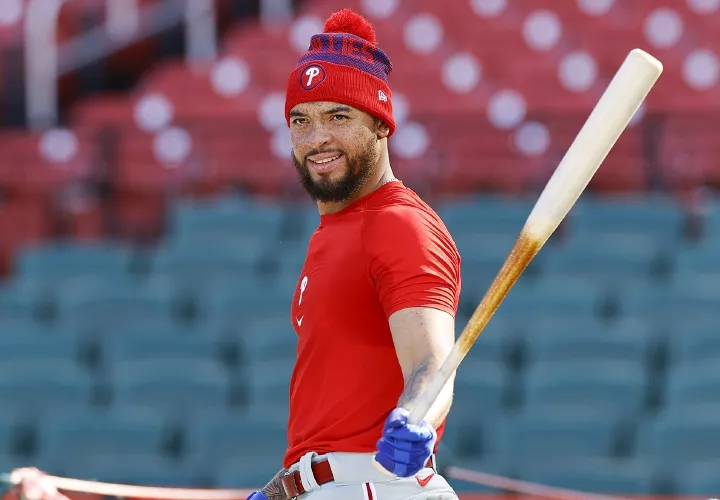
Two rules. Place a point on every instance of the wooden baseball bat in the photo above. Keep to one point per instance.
(611, 115)
(608, 119)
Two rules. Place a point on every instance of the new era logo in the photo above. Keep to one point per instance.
(382, 96)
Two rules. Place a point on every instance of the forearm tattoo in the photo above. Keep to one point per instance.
(274, 489)
(415, 385)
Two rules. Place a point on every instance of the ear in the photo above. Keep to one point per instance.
(383, 130)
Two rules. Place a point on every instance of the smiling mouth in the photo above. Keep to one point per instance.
(325, 165)
(327, 160)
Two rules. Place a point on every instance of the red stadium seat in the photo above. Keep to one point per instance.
(689, 151)
(23, 220)
(621, 174)
(43, 163)
(100, 111)
(192, 94)
(140, 171)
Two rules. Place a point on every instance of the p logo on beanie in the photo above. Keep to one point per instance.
(344, 65)
(312, 76)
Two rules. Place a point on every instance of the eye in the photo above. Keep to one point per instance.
(339, 117)
(298, 121)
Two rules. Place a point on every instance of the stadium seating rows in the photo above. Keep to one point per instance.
(172, 355)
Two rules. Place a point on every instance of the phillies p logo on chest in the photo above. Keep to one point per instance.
(312, 76)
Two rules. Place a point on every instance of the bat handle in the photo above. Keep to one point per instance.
(428, 397)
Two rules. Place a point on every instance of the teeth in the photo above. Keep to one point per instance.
(326, 161)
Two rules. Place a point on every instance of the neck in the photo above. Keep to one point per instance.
(383, 174)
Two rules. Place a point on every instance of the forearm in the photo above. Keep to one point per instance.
(415, 384)
(274, 489)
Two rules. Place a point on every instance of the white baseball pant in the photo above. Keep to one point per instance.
(356, 478)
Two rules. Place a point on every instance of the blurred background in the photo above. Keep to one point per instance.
(152, 231)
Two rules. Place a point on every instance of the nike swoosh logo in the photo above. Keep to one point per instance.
(425, 481)
(300, 320)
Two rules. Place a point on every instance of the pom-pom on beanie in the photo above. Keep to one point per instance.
(344, 65)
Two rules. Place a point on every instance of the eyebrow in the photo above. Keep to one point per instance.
(332, 111)
(338, 109)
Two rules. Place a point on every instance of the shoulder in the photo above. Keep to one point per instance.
(407, 225)
(401, 207)
(410, 255)
(404, 218)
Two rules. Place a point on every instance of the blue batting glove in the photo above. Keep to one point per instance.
(404, 448)
(257, 495)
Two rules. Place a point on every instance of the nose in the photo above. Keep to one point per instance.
(318, 137)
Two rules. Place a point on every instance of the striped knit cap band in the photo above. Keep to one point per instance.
(344, 65)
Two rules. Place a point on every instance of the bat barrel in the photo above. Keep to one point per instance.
(608, 119)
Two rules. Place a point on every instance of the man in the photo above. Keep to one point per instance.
(375, 303)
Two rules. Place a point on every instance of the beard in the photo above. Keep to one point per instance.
(359, 169)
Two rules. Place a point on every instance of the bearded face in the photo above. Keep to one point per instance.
(335, 149)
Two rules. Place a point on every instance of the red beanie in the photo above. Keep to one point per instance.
(344, 65)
